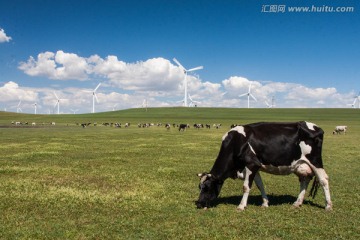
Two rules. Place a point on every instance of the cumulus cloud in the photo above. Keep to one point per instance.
(11, 91)
(57, 66)
(285, 94)
(3, 36)
(154, 74)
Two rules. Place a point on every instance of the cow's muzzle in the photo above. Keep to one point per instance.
(201, 204)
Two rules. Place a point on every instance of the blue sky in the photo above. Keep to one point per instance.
(301, 59)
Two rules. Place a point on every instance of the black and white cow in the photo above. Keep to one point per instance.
(183, 127)
(275, 148)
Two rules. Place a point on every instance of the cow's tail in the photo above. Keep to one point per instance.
(314, 188)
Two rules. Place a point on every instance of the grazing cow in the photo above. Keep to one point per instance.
(182, 127)
(217, 125)
(340, 129)
(275, 148)
(167, 126)
(84, 125)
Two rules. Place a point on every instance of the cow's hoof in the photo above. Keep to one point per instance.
(328, 208)
(296, 205)
(240, 209)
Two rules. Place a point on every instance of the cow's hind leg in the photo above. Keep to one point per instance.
(260, 186)
(304, 183)
(324, 182)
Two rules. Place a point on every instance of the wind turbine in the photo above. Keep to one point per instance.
(272, 105)
(74, 111)
(248, 94)
(185, 78)
(94, 97)
(192, 102)
(35, 107)
(356, 99)
(57, 103)
(145, 104)
(18, 109)
(114, 107)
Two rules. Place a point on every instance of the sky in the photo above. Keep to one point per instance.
(293, 54)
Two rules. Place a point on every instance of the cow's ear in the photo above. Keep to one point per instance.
(200, 174)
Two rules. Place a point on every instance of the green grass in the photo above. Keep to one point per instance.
(66, 182)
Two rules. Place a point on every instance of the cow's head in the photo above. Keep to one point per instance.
(209, 189)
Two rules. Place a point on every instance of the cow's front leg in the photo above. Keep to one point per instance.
(249, 177)
(260, 186)
(304, 182)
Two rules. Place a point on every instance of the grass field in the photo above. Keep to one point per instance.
(66, 182)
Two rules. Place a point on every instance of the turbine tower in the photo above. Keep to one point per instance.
(95, 97)
(185, 78)
(248, 94)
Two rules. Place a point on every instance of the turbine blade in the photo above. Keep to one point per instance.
(194, 69)
(250, 86)
(253, 97)
(97, 100)
(97, 87)
(178, 63)
(242, 95)
(56, 96)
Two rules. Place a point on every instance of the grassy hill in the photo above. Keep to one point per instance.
(190, 115)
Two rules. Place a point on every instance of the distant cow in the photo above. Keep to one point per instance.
(182, 127)
(84, 125)
(217, 125)
(275, 148)
(339, 129)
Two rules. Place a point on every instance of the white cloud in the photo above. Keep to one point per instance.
(11, 92)
(4, 37)
(57, 66)
(161, 82)
(156, 74)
